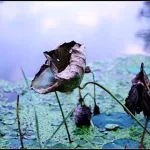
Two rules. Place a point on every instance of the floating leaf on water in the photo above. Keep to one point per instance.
(72, 145)
(9, 122)
(97, 141)
(32, 144)
(120, 144)
(80, 142)
(86, 146)
(4, 143)
(111, 126)
(60, 145)
(30, 137)
(122, 119)
(109, 136)
(51, 143)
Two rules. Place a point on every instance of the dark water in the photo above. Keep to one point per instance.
(27, 29)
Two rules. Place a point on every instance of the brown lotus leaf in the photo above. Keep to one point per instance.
(139, 95)
(63, 70)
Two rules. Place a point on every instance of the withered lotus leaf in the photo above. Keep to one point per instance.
(139, 95)
(63, 70)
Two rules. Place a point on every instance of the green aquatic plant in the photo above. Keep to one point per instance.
(96, 109)
(139, 97)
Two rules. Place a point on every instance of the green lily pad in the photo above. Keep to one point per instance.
(122, 119)
(51, 143)
(111, 126)
(80, 142)
(60, 145)
(120, 144)
(97, 141)
(86, 146)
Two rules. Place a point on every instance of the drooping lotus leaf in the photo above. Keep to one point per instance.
(123, 120)
(121, 143)
(63, 70)
(139, 95)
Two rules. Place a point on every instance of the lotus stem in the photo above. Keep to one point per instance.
(59, 127)
(87, 95)
(80, 96)
(63, 117)
(94, 88)
(116, 100)
(19, 128)
(96, 108)
(142, 139)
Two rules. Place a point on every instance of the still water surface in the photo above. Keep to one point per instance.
(27, 29)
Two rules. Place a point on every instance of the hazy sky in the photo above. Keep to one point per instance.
(27, 29)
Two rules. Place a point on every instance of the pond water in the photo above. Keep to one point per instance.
(27, 29)
(115, 75)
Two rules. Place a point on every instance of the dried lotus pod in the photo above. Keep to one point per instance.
(87, 69)
(63, 70)
(82, 115)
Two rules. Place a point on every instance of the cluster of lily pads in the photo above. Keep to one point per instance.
(109, 123)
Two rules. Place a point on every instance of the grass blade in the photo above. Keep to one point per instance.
(25, 78)
(18, 119)
(37, 127)
(35, 113)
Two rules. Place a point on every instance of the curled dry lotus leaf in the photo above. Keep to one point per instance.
(63, 70)
(139, 95)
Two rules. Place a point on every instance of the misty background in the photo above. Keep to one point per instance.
(27, 29)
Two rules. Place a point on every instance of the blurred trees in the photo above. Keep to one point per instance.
(145, 34)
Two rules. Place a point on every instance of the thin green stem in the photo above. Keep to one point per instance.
(80, 96)
(63, 117)
(59, 127)
(37, 127)
(18, 118)
(35, 113)
(94, 88)
(116, 100)
(87, 95)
